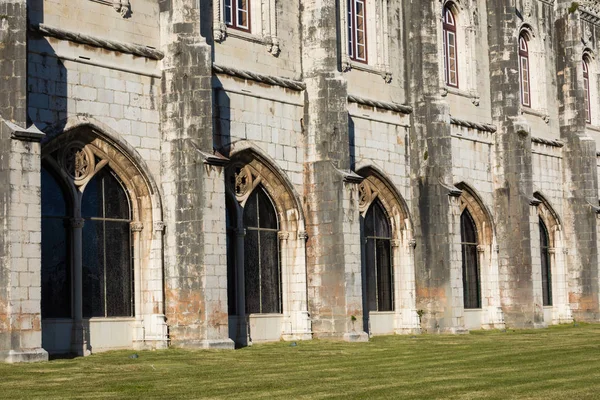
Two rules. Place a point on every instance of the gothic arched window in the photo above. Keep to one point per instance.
(262, 274)
(525, 83)
(56, 260)
(470, 261)
(545, 256)
(86, 234)
(378, 258)
(450, 51)
(586, 89)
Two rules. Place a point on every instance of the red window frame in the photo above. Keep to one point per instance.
(357, 32)
(236, 10)
(586, 89)
(524, 71)
(450, 50)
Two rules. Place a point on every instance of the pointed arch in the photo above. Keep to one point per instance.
(82, 152)
(376, 185)
(249, 166)
(549, 216)
(108, 143)
(479, 213)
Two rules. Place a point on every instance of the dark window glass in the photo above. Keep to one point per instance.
(107, 264)
(231, 273)
(378, 259)
(546, 272)
(56, 269)
(470, 261)
(261, 255)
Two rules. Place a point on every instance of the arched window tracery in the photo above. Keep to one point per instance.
(87, 244)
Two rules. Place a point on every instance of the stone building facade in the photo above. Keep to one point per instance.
(212, 173)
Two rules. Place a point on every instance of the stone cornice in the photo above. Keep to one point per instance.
(95, 41)
(473, 125)
(253, 76)
(547, 142)
(380, 104)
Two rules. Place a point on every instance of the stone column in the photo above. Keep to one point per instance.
(138, 327)
(513, 188)
(194, 193)
(580, 196)
(20, 215)
(431, 170)
(79, 344)
(332, 217)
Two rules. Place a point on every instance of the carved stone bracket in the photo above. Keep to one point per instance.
(243, 182)
(283, 236)
(123, 7)
(159, 226)
(136, 226)
(412, 243)
(302, 235)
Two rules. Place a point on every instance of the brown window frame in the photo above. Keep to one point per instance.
(234, 7)
(524, 57)
(353, 31)
(449, 39)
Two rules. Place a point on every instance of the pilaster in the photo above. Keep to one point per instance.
(333, 247)
(431, 170)
(20, 218)
(513, 188)
(579, 169)
(195, 255)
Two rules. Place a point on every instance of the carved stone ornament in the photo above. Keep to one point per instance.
(527, 5)
(243, 183)
(123, 7)
(78, 161)
(136, 226)
(366, 195)
(587, 35)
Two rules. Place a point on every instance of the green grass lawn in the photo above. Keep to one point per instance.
(556, 363)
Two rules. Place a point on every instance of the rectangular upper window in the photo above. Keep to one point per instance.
(357, 30)
(450, 59)
(237, 14)
(586, 90)
(524, 72)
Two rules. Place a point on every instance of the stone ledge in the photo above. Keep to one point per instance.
(19, 356)
(31, 134)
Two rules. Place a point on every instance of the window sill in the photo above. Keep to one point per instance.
(272, 43)
(471, 94)
(110, 319)
(536, 113)
(591, 127)
(386, 75)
